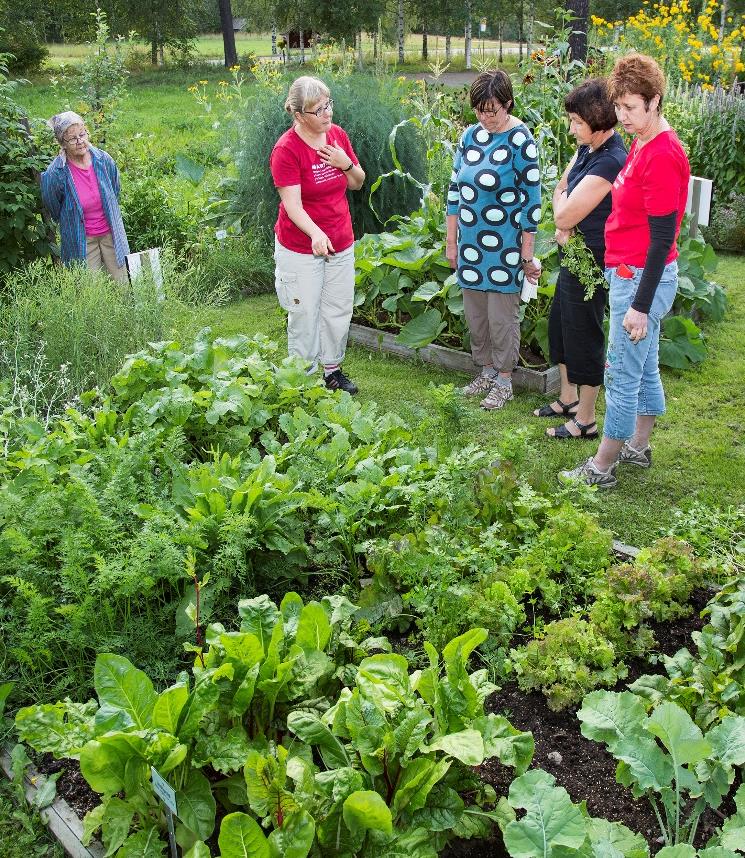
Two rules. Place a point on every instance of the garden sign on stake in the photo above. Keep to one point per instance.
(167, 794)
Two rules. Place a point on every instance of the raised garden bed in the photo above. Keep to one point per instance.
(540, 381)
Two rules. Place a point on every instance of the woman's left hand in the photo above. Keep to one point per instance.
(562, 236)
(333, 155)
(635, 324)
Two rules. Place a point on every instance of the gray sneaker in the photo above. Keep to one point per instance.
(496, 397)
(631, 456)
(588, 473)
(480, 385)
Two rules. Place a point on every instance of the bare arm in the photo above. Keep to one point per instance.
(451, 240)
(570, 209)
(291, 200)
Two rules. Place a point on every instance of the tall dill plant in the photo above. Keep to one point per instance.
(367, 108)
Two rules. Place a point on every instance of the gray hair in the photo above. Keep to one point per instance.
(305, 91)
(62, 121)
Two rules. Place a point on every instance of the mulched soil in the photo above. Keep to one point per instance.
(581, 766)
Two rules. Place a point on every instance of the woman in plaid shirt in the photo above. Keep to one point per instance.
(80, 189)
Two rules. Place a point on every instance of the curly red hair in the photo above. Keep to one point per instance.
(637, 74)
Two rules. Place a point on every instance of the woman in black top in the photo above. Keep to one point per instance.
(582, 201)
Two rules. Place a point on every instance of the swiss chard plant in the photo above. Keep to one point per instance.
(664, 757)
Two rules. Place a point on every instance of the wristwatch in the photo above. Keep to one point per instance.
(347, 169)
(525, 261)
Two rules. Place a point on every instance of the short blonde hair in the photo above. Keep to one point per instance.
(305, 91)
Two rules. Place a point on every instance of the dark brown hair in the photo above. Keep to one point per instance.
(637, 74)
(492, 86)
(590, 101)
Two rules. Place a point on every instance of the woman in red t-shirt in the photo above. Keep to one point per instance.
(313, 165)
(649, 200)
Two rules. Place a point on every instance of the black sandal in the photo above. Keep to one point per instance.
(562, 433)
(548, 411)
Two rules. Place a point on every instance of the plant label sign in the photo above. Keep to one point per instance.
(165, 792)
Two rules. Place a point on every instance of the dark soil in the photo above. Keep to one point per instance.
(581, 766)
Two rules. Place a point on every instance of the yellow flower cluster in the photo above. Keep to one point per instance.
(687, 42)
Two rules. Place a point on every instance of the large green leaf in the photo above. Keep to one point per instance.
(364, 810)
(202, 699)
(511, 746)
(60, 728)
(612, 838)
(189, 169)
(681, 343)
(168, 706)
(674, 727)
(126, 694)
(290, 607)
(116, 824)
(427, 291)
(243, 648)
(442, 811)
(416, 782)
(422, 329)
(242, 837)
(314, 628)
(196, 805)
(103, 761)
(728, 740)
(551, 821)
(198, 850)
(295, 838)
(733, 830)
(309, 727)
(259, 616)
(648, 765)
(680, 850)
(465, 745)
(143, 844)
(384, 679)
(609, 716)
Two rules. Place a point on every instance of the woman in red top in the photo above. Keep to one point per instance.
(649, 200)
(313, 165)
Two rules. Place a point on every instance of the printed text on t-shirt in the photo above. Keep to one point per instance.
(324, 172)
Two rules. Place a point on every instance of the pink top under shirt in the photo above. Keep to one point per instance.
(89, 194)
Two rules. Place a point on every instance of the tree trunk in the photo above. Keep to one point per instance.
(154, 51)
(360, 64)
(302, 44)
(520, 30)
(580, 10)
(722, 21)
(531, 23)
(287, 47)
(501, 54)
(274, 38)
(400, 30)
(468, 35)
(228, 34)
(425, 54)
(448, 47)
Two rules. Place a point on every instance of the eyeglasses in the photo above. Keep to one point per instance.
(329, 106)
(77, 139)
(490, 113)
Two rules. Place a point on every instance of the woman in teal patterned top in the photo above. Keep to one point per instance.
(493, 211)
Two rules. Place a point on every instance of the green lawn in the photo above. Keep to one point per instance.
(209, 46)
(698, 452)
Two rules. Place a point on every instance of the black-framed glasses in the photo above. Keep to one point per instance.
(79, 138)
(328, 106)
(490, 113)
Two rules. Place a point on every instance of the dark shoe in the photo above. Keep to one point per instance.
(338, 381)
(631, 456)
(562, 433)
(548, 411)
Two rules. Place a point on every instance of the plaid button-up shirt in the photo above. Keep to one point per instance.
(61, 200)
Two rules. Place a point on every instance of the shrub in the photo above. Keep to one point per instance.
(20, 43)
(239, 266)
(23, 234)
(726, 229)
(64, 330)
(154, 216)
(367, 109)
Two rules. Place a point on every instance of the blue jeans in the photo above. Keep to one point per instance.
(632, 370)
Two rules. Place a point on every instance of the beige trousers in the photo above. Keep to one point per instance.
(100, 253)
(494, 324)
(318, 295)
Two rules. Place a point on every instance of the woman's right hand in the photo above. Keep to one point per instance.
(451, 253)
(562, 236)
(321, 244)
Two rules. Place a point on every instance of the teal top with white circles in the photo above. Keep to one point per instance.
(495, 191)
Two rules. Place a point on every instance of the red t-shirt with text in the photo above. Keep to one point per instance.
(323, 190)
(653, 181)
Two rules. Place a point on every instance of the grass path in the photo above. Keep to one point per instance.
(699, 446)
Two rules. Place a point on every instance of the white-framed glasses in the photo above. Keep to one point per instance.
(325, 107)
(78, 138)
